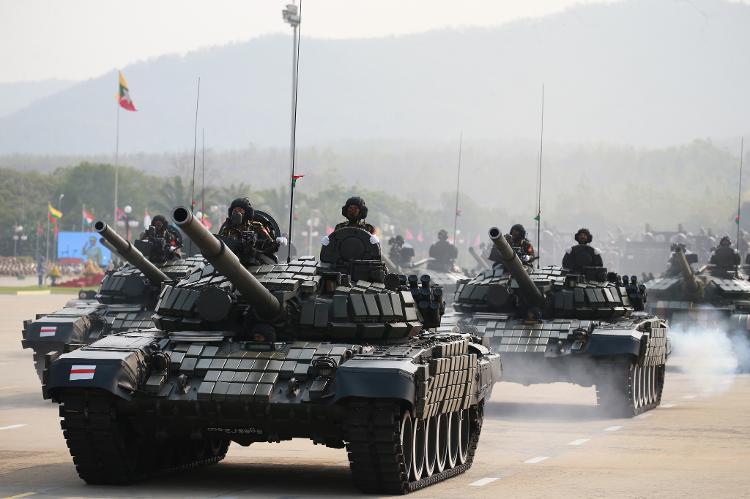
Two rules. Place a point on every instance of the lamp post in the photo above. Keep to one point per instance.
(18, 235)
(291, 15)
(128, 210)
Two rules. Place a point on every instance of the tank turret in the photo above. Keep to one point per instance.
(130, 253)
(531, 294)
(692, 285)
(226, 262)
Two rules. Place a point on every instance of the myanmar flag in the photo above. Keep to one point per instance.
(53, 213)
(124, 96)
(87, 216)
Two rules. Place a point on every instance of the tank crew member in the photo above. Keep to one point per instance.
(355, 212)
(400, 252)
(165, 236)
(673, 268)
(725, 255)
(247, 238)
(443, 252)
(517, 240)
(582, 254)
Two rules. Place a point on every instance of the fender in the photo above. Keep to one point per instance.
(394, 379)
(613, 342)
(63, 327)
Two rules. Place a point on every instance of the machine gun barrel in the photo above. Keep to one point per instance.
(692, 285)
(130, 253)
(226, 262)
(482, 263)
(512, 263)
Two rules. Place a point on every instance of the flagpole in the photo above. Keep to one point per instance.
(203, 172)
(539, 191)
(48, 215)
(458, 185)
(117, 165)
(739, 191)
(296, 22)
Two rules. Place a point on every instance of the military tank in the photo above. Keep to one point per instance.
(715, 295)
(125, 300)
(551, 325)
(264, 353)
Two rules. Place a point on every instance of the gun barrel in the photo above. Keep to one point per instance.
(479, 259)
(226, 262)
(130, 253)
(512, 263)
(691, 283)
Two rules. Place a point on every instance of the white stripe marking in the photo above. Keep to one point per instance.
(483, 482)
(580, 441)
(537, 459)
(688, 397)
(667, 406)
(12, 427)
(613, 428)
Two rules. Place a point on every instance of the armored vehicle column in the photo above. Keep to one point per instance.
(227, 263)
(130, 253)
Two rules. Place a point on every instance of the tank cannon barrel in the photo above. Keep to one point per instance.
(691, 283)
(226, 262)
(481, 261)
(512, 263)
(130, 253)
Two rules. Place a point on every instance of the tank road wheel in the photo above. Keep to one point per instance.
(463, 436)
(419, 443)
(107, 449)
(391, 452)
(407, 440)
(658, 383)
(431, 445)
(627, 389)
(443, 427)
(452, 438)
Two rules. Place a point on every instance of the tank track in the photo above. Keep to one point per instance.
(376, 456)
(107, 450)
(629, 389)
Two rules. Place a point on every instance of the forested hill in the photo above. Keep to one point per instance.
(642, 72)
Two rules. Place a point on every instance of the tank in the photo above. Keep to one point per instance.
(714, 296)
(125, 300)
(265, 353)
(552, 325)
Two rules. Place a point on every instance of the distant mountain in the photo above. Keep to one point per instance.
(15, 96)
(642, 72)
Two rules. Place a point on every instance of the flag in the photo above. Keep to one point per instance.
(737, 219)
(39, 229)
(53, 213)
(146, 219)
(538, 217)
(120, 214)
(87, 216)
(408, 235)
(295, 178)
(420, 237)
(124, 95)
(329, 230)
(206, 222)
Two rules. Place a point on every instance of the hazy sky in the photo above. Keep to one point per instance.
(78, 39)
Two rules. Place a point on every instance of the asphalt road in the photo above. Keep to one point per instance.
(539, 441)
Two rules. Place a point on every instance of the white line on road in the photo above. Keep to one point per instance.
(12, 387)
(12, 427)
(483, 482)
(667, 406)
(580, 441)
(613, 428)
(688, 397)
(19, 496)
(537, 459)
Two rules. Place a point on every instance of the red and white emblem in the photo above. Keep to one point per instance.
(82, 372)
(47, 331)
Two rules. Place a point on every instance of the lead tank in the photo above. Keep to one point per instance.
(125, 300)
(267, 353)
(551, 325)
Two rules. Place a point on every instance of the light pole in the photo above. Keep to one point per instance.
(128, 210)
(291, 15)
(18, 235)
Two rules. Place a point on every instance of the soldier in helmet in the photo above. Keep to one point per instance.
(443, 253)
(355, 212)
(248, 239)
(165, 238)
(725, 256)
(582, 254)
(400, 252)
(517, 240)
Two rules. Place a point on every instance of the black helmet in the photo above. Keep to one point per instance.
(583, 230)
(357, 201)
(725, 238)
(442, 234)
(159, 218)
(519, 228)
(242, 203)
